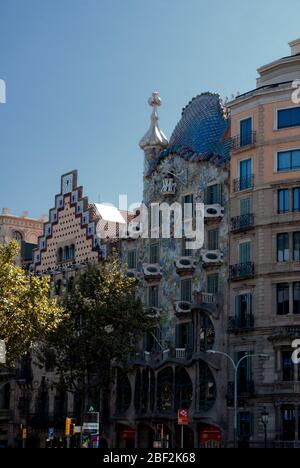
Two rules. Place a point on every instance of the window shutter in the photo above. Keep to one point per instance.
(245, 206)
(245, 252)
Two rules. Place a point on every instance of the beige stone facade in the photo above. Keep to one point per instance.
(265, 267)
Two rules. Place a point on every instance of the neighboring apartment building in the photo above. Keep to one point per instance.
(22, 228)
(73, 238)
(265, 252)
(184, 290)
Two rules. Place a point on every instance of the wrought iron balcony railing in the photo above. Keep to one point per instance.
(243, 183)
(243, 141)
(242, 222)
(241, 322)
(241, 271)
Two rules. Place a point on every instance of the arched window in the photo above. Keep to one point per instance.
(207, 333)
(17, 236)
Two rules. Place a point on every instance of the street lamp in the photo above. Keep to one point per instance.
(265, 421)
(236, 368)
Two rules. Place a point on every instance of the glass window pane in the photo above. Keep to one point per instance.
(154, 253)
(131, 261)
(296, 298)
(296, 246)
(283, 299)
(289, 117)
(186, 290)
(213, 239)
(283, 201)
(284, 161)
(212, 283)
(296, 199)
(287, 366)
(296, 159)
(245, 132)
(282, 247)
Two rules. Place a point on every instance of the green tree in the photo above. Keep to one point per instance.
(104, 324)
(26, 312)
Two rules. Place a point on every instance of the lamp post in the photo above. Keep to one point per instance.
(236, 367)
(265, 421)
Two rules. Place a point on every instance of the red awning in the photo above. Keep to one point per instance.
(209, 433)
(127, 434)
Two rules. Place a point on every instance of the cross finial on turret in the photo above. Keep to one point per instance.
(154, 136)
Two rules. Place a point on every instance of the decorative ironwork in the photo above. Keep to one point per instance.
(242, 223)
(241, 271)
(241, 322)
(239, 142)
(243, 183)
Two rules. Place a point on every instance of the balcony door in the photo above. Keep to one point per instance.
(245, 252)
(245, 132)
(245, 174)
(244, 372)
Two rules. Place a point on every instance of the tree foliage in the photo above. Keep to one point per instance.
(26, 312)
(104, 323)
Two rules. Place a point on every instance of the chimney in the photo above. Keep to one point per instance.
(5, 211)
(25, 214)
(295, 47)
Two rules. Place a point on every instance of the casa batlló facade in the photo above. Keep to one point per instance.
(184, 290)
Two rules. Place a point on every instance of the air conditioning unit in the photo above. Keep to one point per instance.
(185, 264)
(213, 211)
(152, 270)
(153, 312)
(212, 256)
(182, 307)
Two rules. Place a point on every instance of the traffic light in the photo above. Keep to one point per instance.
(68, 426)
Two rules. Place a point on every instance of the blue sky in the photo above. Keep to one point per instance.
(79, 73)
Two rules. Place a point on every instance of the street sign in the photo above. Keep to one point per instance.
(183, 417)
(91, 422)
(90, 427)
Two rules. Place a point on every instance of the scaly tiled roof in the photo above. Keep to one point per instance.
(203, 132)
